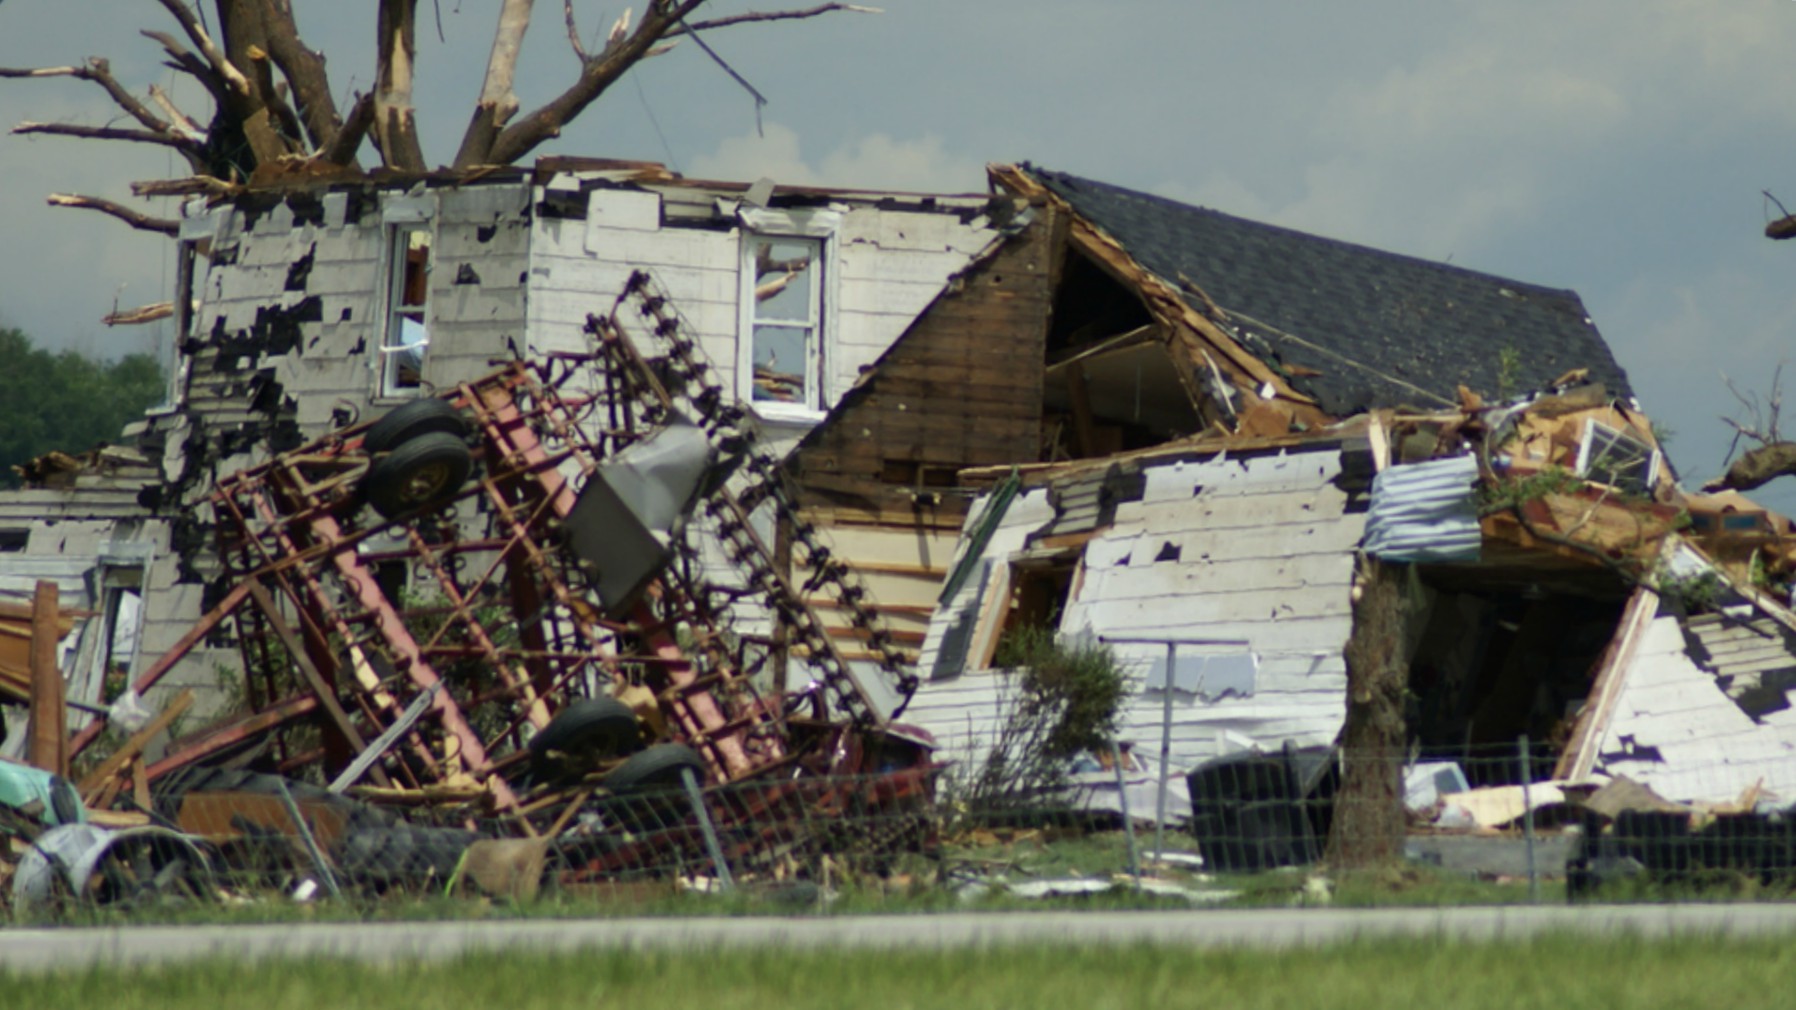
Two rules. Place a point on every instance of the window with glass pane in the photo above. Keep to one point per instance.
(787, 316)
(406, 339)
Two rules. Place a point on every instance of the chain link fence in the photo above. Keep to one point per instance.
(1492, 811)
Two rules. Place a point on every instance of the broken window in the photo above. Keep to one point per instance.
(14, 540)
(784, 321)
(405, 339)
(1035, 599)
(1617, 458)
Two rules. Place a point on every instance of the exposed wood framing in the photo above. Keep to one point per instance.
(1610, 678)
(962, 386)
(1185, 324)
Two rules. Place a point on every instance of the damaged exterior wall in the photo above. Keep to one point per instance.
(294, 295)
(1675, 730)
(959, 389)
(1257, 550)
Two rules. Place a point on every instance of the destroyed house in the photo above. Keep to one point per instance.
(1167, 423)
(1117, 322)
(303, 306)
(1061, 404)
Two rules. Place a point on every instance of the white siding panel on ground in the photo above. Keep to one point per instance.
(1261, 553)
(1676, 731)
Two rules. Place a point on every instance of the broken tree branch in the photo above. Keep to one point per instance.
(180, 59)
(1756, 467)
(136, 219)
(193, 185)
(498, 103)
(573, 30)
(215, 58)
(1763, 428)
(176, 141)
(596, 75)
(1784, 227)
(757, 16)
(178, 120)
(99, 71)
(343, 146)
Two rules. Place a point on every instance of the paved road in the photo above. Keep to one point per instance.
(55, 948)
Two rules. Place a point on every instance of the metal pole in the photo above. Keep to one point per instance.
(1172, 650)
(374, 750)
(1122, 796)
(1528, 821)
(311, 844)
(712, 846)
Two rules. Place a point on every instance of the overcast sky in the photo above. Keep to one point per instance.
(1615, 147)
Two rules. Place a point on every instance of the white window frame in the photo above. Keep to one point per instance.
(400, 222)
(818, 228)
(1611, 436)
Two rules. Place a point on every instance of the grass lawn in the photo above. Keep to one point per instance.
(1564, 973)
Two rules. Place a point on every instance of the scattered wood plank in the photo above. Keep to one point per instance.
(131, 751)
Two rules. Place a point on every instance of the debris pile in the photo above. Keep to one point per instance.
(494, 616)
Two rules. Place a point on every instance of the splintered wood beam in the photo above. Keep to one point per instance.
(132, 750)
(48, 736)
(148, 679)
(229, 735)
(140, 315)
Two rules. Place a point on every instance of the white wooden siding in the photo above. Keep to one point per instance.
(1265, 557)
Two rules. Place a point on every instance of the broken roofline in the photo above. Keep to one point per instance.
(1539, 489)
(1308, 320)
(617, 170)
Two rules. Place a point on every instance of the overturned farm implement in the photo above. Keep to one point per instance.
(543, 605)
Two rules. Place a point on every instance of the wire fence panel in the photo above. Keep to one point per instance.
(1492, 812)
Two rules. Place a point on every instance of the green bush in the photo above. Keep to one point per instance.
(1063, 699)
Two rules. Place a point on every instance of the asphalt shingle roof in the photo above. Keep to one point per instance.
(1403, 323)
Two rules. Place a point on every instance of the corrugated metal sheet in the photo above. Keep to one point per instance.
(1425, 512)
(1256, 550)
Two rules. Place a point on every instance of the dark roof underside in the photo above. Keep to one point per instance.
(1379, 327)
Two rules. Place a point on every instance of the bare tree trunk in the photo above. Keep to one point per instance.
(498, 103)
(395, 122)
(1368, 821)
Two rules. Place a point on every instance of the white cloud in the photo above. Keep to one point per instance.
(874, 161)
(1475, 136)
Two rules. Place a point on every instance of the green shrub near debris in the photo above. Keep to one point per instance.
(1563, 972)
(1063, 700)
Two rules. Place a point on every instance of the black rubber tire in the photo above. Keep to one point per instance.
(404, 423)
(589, 728)
(426, 469)
(655, 768)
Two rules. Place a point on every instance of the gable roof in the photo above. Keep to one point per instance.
(1381, 328)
